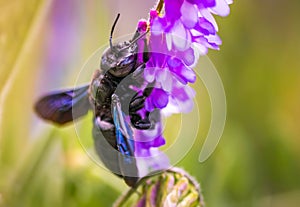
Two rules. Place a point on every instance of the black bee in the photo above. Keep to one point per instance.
(112, 134)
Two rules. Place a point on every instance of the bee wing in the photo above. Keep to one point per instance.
(105, 150)
(64, 106)
(125, 144)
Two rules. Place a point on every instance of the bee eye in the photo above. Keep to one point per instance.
(126, 61)
(124, 67)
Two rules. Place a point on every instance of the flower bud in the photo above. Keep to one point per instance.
(170, 188)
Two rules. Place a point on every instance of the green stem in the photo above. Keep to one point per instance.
(123, 199)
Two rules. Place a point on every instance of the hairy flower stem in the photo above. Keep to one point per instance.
(159, 6)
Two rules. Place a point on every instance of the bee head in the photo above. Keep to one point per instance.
(119, 59)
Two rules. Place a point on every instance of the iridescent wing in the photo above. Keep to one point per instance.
(64, 106)
(125, 143)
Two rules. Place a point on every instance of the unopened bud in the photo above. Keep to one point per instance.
(169, 188)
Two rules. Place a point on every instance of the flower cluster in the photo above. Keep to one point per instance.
(178, 36)
(186, 30)
(172, 187)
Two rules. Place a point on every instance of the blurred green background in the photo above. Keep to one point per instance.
(43, 45)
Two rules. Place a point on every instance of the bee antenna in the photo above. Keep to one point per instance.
(135, 40)
(138, 38)
(112, 31)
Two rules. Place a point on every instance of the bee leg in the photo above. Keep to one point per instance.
(137, 103)
(140, 123)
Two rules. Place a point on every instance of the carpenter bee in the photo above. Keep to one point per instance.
(112, 133)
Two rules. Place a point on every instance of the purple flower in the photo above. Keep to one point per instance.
(178, 35)
(147, 142)
(186, 29)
